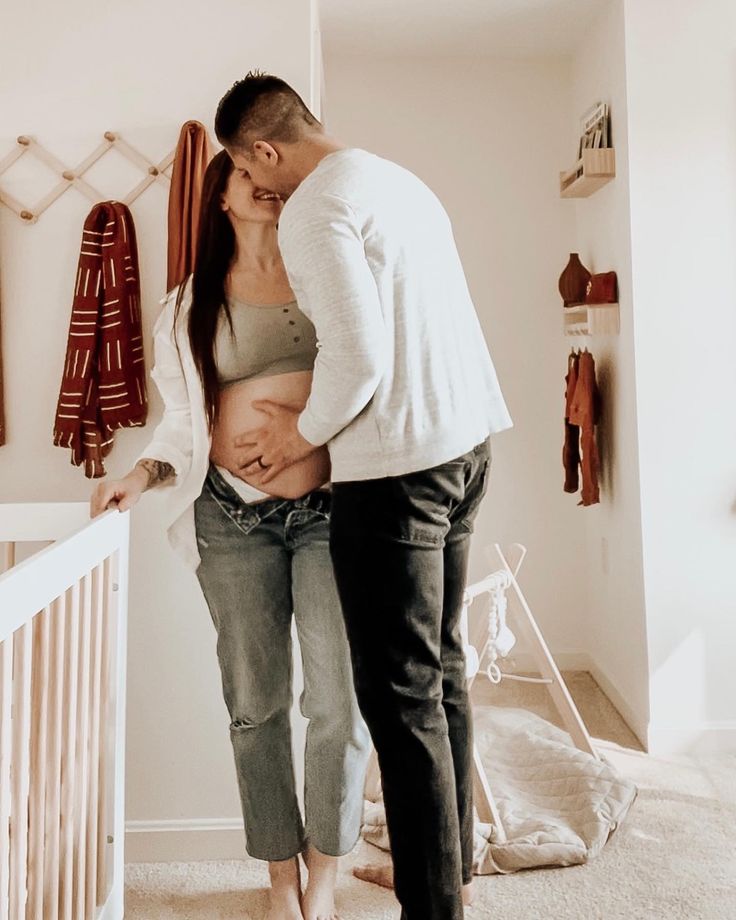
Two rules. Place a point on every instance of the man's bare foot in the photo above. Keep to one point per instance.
(319, 897)
(286, 891)
(378, 875)
(384, 876)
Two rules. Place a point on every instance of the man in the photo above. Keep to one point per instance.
(405, 395)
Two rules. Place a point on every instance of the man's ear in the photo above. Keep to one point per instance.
(264, 152)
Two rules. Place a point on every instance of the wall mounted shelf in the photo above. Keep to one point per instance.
(594, 169)
(592, 319)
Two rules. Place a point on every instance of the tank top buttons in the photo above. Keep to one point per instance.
(274, 346)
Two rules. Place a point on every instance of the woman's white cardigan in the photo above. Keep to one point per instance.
(182, 436)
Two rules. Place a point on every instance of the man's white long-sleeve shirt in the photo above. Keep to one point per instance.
(403, 379)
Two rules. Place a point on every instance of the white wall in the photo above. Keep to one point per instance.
(141, 69)
(489, 137)
(643, 583)
(681, 71)
(612, 530)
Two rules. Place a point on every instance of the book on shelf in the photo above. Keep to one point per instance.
(594, 128)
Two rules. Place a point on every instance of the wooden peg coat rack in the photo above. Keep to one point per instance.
(154, 172)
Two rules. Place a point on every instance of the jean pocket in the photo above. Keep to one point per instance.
(422, 503)
(214, 502)
(306, 525)
(485, 477)
(477, 486)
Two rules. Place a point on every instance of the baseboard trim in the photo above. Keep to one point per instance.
(195, 839)
(185, 840)
(583, 661)
(706, 738)
(637, 725)
(715, 737)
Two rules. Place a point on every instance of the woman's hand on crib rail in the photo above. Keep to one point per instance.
(124, 493)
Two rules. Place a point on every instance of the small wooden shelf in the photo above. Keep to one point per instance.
(592, 319)
(594, 169)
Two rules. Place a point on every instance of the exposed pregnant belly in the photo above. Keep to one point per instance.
(236, 416)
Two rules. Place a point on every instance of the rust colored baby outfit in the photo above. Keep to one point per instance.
(582, 411)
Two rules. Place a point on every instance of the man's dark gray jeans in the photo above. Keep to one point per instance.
(400, 549)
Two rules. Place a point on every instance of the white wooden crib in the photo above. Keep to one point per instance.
(63, 619)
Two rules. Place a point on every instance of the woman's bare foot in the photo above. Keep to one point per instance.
(286, 890)
(384, 876)
(319, 897)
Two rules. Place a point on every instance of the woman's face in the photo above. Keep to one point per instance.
(243, 201)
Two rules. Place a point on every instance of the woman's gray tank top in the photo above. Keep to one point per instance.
(264, 342)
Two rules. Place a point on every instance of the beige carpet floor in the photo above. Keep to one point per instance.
(674, 857)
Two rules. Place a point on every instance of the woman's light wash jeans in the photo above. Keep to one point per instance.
(260, 564)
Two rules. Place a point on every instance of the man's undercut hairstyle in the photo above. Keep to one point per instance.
(261, 107)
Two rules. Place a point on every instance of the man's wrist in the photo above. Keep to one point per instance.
(305, 447)
(306, 432)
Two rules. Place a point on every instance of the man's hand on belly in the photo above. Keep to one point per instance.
(273, 447)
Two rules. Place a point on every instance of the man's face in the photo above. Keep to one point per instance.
(262, 172)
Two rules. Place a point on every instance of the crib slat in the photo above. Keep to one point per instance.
(37, 788)
(98, 587)
(68, 773)
(53, 767)
(80, 817)
(6, 752)
(7, 557)
(106, 728)
(22, 648)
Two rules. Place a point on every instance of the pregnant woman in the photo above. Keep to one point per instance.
(229, 340)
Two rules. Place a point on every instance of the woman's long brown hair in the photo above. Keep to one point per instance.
(214, 254)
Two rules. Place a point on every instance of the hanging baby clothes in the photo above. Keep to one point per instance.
(582, 411)
(571, 446)
(193, 153)
(104, 383)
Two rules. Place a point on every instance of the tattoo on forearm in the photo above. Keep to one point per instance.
(157, 470)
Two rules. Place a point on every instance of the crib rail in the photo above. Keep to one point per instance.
(63, 624)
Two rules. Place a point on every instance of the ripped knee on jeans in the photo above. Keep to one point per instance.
(245, 723)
